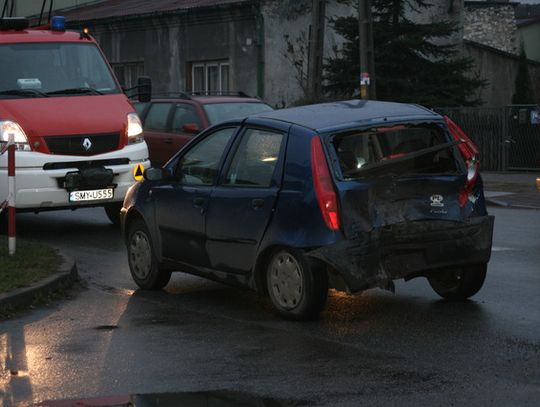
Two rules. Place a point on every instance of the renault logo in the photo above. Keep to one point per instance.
(87, 144)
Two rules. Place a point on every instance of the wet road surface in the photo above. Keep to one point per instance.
(408, 348)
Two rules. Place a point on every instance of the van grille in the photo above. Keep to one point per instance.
(85, 145)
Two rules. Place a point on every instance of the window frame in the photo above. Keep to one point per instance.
(176, 161)
(278, 168)
(205, 65)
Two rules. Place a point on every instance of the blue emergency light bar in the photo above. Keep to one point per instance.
(58, 23)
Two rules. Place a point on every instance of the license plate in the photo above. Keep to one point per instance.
(91, 195)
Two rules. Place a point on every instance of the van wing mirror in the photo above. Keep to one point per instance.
(144, 89)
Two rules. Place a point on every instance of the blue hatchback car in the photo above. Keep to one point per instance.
(348, 195)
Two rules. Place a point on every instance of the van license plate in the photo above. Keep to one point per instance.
(91, 195)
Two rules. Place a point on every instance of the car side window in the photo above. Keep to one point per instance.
(184, 114)
(156, 118)
(255, 160)
(200, 165)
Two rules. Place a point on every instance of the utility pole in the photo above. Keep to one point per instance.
(365, 39)
(316, 48)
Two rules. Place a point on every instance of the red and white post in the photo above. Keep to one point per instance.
(11, 195)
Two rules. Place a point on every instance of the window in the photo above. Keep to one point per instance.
(53, 67)
(364, 150)
(199, 166)
(255, 160)
(184, 114)
(210, 77)
(128, 72)
(157, 116)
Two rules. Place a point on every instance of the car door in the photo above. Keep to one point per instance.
(242, 204)
(186, 124)
(181, 204)
(156, 132)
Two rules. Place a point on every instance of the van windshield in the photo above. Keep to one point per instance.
(53, 69)
(400, 148)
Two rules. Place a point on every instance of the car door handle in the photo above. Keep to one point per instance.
(198, 201)
(257, 203)
(167, 141)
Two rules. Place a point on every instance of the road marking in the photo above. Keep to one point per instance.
(502, 249)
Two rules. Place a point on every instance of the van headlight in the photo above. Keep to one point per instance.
(8, 129)
(134, 129)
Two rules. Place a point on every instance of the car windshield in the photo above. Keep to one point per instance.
(218, 112)
(53, 69)
(408, 148)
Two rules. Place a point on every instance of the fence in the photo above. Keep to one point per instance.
(507, 137)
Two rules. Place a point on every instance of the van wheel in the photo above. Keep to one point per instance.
(143, 264)
(297, 285)
(459, 283)
(113, 212)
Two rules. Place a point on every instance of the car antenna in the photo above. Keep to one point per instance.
(43, 9)
(8, 8)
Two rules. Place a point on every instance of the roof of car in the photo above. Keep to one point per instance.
(34, 35)
(330, 116)
(208, 99)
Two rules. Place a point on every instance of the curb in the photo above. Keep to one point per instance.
(497, 202)
(25, 296)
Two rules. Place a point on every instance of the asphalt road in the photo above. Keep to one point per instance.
(408, 348)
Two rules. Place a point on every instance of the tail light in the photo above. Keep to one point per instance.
(469, 151)
(324, 188)
(472, 176)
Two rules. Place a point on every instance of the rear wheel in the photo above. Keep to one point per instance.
(459, 283)
(297, 285)
(143, 264)
(113, 212)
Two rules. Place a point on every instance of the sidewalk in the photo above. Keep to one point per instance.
(512, 189)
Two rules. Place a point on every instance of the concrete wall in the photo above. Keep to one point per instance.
(30, 7)
(168, 45)
(530, 36)
(492, 25)
(500, 69)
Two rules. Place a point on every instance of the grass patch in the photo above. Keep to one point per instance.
(30, 263)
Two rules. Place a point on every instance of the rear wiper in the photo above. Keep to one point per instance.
(74, 91)
(32, 93)
(406, 157)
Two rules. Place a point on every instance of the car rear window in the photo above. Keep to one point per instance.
(218, 112)
(396, 148)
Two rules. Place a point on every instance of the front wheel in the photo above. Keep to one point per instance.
(459, 283)
(297, 285)
(143, 264)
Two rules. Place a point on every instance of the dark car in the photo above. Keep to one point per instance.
(169, 123)
(350, 195)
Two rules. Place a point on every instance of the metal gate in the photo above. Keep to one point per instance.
(508, 137)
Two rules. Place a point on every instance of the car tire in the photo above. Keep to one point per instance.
(297, 285)
(458, 283)
(113, 212)
(143, 263)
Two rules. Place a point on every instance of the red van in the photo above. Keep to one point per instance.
(79, 141)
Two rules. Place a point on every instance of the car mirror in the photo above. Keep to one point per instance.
(192, 128)
(153, 174)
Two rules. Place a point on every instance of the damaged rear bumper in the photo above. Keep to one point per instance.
(407, 250)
